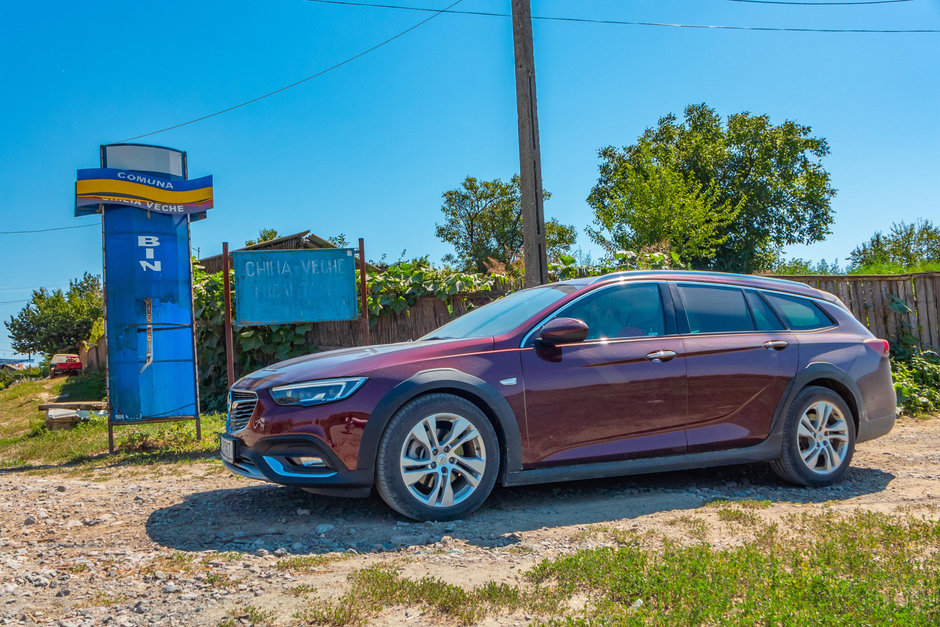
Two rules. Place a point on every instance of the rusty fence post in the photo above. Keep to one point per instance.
(363, 294)
(229, 341)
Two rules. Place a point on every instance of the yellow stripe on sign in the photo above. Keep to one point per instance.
(95, 187)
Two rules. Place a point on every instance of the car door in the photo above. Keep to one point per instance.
(618, 394)
(740, 360)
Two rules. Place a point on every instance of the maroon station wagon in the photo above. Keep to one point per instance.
(633, 372)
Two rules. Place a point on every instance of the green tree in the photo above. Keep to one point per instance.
(483, 221)
(770, 176)
(56, 320)
(648, 204)
(339, 241)
(905, 246)
(264, 235)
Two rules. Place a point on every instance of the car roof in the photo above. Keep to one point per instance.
(726, 278)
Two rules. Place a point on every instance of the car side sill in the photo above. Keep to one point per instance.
(767, 450)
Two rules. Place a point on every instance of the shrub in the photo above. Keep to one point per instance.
(917, 382)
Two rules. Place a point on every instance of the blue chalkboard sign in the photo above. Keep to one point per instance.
(288, 286)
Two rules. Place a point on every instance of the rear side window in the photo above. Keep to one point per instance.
(764, 316)
(713, 309)
(799, 313)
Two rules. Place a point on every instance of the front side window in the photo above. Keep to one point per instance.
(714, 309)
(621, 311)
(799, 313)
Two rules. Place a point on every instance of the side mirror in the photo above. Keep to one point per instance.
(563, 331)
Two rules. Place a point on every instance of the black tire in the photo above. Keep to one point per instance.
(816, 445)
(467, 474)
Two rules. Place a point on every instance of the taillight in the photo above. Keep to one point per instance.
(882, 347)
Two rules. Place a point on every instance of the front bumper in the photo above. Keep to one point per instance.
(273, 458)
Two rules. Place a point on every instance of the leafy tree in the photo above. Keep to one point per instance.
(648, 203)
(483, 221)
(800, 266)
(764, 184)
(55, 321)
(264, 235)
(905, 246)
(339, 241)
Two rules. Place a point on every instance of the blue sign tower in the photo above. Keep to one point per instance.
(146, 204)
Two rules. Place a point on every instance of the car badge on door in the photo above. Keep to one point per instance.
(259, 422)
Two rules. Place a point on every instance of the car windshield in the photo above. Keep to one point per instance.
(503, 315)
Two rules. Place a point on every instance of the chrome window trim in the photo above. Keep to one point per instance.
(622, 282)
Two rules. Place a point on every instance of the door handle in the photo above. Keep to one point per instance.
(661, 356)
(776, 345)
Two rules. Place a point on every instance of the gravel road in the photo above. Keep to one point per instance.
(189, 544)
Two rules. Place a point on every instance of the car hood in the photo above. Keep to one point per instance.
(360, 361)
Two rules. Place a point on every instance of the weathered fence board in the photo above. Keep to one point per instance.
(869, 298)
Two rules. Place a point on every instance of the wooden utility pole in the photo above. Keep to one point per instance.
(530, 161)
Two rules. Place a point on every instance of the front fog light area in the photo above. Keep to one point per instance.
(307, 462)
(316, 392)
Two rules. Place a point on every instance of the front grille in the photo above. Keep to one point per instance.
(240, 407)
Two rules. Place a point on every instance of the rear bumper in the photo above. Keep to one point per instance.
(270, 459)
(874, 428)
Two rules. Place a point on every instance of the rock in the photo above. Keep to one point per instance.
(189, 596)
(170, 588)
(261, 552)
(30, 520)
(60, 488)
(64, 592)
(303, 512)
(160, 575)
(280, 552)
(450, 526)
(324, 528)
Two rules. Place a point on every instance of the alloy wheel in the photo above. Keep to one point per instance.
(823, 437)
(442, 460)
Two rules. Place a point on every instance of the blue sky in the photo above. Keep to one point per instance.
(368, 149)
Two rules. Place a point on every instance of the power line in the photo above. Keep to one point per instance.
(821, 4)
(303, 80)
(448, 9)
(57, 228)
(10, 302)
(584, 20)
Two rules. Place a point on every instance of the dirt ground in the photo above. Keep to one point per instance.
(191, 544)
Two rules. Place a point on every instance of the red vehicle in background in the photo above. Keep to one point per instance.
(63, 364)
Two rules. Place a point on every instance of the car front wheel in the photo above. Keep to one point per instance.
(437, 459)
(819, 438)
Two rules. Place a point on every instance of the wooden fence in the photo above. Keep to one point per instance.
(876, 299)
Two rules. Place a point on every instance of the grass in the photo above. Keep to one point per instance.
(740, 516)
(825, 568)
(26, 443)
(301, 563)
(250, 615)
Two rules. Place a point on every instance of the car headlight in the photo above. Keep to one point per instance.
(316, 392)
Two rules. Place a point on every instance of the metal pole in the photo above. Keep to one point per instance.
(227, 291)
(363, 294)
(530, 164)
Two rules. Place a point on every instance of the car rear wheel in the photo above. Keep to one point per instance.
(437, 459)
(819, 439)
